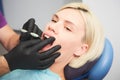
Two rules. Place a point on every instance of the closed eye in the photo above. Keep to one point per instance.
(67, 28)
(54, 21)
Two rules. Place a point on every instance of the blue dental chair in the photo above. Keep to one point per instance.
(100, 68)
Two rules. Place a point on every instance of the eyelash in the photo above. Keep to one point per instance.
(67, 28)
(54, 21)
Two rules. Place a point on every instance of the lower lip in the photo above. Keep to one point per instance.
(46, 47)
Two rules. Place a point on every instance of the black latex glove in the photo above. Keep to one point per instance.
(26, 55)
(30, 27)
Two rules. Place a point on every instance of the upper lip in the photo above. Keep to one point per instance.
(46, 35)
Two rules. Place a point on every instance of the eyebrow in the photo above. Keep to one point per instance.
(56, 16)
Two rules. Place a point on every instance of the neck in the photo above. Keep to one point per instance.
(58, 67)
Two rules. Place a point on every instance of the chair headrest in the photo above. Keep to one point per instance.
(98, 71)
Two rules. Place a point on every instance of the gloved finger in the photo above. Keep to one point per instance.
(49, 52)
(30, 43)
(23, 31)
(37, 30)
(54, 56)
(28, 36)
(29, 25)
(25, 36)
(45, 66)
(49, 61)
(42, 44)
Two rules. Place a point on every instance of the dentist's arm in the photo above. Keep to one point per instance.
(4, 68)
(8, 38)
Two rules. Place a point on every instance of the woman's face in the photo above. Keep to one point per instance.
(67, 26)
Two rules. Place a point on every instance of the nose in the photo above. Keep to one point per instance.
(53, 27)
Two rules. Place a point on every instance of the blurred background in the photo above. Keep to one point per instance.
(17, 12)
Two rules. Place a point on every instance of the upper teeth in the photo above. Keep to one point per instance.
(46, 36)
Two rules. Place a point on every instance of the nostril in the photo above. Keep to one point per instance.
(51, 29)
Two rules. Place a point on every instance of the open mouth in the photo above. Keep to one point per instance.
(48, 46)
(45, 36)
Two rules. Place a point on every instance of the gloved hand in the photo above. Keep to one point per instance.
(26, 55)
(30, 28)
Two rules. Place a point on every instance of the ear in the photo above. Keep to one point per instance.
(81, 50)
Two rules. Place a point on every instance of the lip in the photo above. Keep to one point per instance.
(48, 34)
(49, 45)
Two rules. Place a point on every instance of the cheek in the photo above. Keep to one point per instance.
(68, 45)
(46, 27)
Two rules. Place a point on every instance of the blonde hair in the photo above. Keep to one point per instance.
(94, 35)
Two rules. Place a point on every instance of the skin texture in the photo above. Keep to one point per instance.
(9, 41)
(67, 26)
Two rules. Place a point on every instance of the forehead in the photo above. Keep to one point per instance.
(71, 15)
